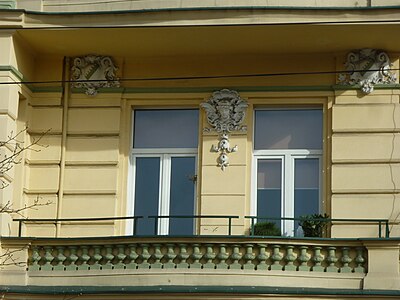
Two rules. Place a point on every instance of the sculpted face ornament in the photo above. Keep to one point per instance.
(367, 67)
(92, 72)
(225, 113)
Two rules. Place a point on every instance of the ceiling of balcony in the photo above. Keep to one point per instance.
(212, 40)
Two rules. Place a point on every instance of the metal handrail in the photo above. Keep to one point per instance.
(55, 221)
(156, 218)
(380, 222)
(328, 220)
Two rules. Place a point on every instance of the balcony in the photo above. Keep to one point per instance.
(201, 263)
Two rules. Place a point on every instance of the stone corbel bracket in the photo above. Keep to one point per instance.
(93, 72)
(367, 67)
(226, 112)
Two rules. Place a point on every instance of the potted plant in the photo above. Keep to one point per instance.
(313, 225)
(266, 229)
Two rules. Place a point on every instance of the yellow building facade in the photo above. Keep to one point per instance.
(163, 131)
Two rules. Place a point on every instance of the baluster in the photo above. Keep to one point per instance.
(132, 257)
(248, 257)
(276, 258)
(262, 257)
(196, 256)
(183, 256)
(71, 258)
(222, 257)
(60, 258)
(144, 256)
(48, 258)
(303, 259)
(170, 255)
(120, 257)
(108, 257)
(359, 261)
(235, 257)
(84, 258)
(346, 260)
(96, 258)
(34, 259)
(157, 255)
(317, 259)
(209, 256)
(290, 258)
(332, 259)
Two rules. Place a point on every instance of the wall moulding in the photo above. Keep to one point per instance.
(92, 72)
(225, 111)
(367, 67)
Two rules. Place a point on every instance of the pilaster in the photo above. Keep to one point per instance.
(383, 272)
(9, 98)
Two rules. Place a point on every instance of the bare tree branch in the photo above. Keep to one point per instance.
(13, 147)
(7, 258)
(8, 209)
(16, 148)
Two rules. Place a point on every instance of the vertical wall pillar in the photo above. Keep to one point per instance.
(224, 163)
(383, 272)
(9, 98)
(365, 146)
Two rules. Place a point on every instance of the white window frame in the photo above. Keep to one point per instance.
(287, 157)
(287, 180)
(165, 155)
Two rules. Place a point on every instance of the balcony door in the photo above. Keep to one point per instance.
(163, 170)
(287, 165)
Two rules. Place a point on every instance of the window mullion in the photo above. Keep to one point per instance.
(165, 183)
(289, 193)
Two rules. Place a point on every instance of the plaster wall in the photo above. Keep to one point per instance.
(88, 145)
(365, 164)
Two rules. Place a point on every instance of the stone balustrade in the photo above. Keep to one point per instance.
(200, 254)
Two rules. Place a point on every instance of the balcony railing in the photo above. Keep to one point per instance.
(191, 253)
(382, 225)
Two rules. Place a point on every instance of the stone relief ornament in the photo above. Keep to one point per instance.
(225, 113)
(92, 72)
(367, 67)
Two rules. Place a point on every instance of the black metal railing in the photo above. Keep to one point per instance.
(57, 221)
(157, 218)
(381, 223)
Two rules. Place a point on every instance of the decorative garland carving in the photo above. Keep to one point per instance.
(92, 72)
(367, 67)
(225, 113)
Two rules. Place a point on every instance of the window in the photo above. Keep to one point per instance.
(163, 169)
(287, 164)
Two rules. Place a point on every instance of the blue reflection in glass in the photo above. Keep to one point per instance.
(269, 190)
(182, 195)
(166, 128)
(306, 187)
(288, 129)
(147, 181)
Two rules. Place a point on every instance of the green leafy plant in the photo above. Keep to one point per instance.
(313, 225)
(266, 229)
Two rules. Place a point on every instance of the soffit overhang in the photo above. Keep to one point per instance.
(212, 40)
(227, 31)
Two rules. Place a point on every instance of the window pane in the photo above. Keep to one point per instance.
(182, 195)
(269, 189)
(306, 187)
(147, 181)
(168, 128)
(288, 129)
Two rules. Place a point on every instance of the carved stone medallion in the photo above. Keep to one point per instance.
(226, 112)
(367, 67)
(92, 72)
